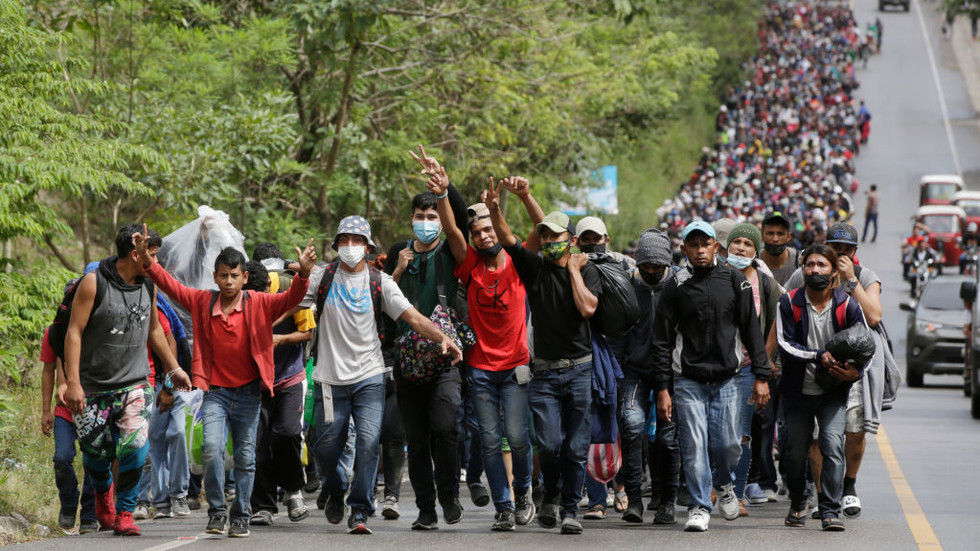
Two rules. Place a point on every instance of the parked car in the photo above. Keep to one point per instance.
(934, 337)
(939, 189)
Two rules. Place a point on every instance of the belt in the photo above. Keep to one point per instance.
(564, 363)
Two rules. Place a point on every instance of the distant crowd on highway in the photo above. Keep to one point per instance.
(531, 371)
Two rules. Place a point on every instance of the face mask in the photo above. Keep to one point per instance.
(426, 231)
(352, 255)
(490, 252)
(738, 262)
(774, 250)
(652, 279)
(817, 282)
(554, 250)
(596, 248)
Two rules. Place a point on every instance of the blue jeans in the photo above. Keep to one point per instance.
(745, 380)
(496, 394)
(708, 432)
(168, 451)
(64, 471)
(364, 402)
(561, 403)
(236, 409)
(830, 411)
(634, 398)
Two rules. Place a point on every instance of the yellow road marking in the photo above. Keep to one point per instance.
(918, 523)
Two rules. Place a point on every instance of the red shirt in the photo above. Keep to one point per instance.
(498, 313)
(49, 357)
(233, 363)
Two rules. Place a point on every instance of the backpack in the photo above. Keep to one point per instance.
(280, 280)
(323, 289)
(62, 317)
(840, 312)
(618, 310)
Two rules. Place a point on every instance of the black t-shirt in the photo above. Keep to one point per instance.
(560, 331)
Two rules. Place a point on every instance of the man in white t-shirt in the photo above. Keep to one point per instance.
(349, 374)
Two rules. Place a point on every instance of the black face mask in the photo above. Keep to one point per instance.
(490, 251)
(774, 250)
(653, 279)
(817, 282)
(595, 248)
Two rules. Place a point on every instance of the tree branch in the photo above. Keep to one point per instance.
(57, 252)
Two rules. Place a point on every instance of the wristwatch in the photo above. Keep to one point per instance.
(850, 285)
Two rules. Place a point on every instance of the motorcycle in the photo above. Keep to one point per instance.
(922, 271)
(968, 260)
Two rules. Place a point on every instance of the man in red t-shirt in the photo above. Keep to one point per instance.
(497, 366)
(64, 446)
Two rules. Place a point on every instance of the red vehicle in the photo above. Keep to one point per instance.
(945, 223)
(939, 189)
(969, 201)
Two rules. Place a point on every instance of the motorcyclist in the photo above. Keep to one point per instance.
(922, 253)
(969, 244)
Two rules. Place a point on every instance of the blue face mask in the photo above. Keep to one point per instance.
(426, 231)
(738, 262)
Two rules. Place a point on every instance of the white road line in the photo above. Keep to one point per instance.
(939, 87)
(179, 542)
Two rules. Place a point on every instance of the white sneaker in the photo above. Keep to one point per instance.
(141, 512)
(728, 503)
(697, 519)
(851, 506)
(771, 495)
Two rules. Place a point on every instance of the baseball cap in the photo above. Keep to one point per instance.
(353, 225)
(698, 226)
(590, 223)
(556, 221)
(842, 233)
(722, 227)
(777, 217)
(476, 211)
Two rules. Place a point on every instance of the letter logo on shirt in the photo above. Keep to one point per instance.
(491, 297)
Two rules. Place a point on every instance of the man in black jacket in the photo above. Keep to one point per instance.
(702, 315)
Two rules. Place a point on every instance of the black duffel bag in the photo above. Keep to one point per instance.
(853, 345)
(618, 309)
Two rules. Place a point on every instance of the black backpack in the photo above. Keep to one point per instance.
(58, 329)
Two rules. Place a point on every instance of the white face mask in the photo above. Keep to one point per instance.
(352, 255)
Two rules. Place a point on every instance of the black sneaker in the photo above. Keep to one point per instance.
(66, 517)
(479, 495)
(524, 509)
(312, 485)
(452, 511)
(357, 523)
(427, 520)
(239, 528)
(665, 514)
(503, 521)
(216, 524)
(634, 513)
(334, 509)
(548, 515)
(321, 500)
(88, 526)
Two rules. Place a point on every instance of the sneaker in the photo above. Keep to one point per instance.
(357, 524)
(524, 509)
(479, 495)
(180, 507)
(452, 511)
(755, 495)
(124, 525)
(296, 507)
(66, 517)
(194, 503)
(141, 511)
(321, 500)
(162, 511)
(548, 516)
(697, 520)
(665, 514)
(105, 509)
(88, 526)
(230, 495)
(312, 485)
(334, 509)
(239, 528)
(262, 518)
(851, 506)
(771, 495)
(216, 524)
(389, 509)
(503, 521)
(427, 520)
(727, 502)
(634, 512)
(570, 526)
(537, 494)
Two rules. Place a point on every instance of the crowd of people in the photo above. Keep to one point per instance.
(468, 348)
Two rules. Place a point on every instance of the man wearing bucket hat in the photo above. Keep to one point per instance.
(702, 315)
(563, 291)
(350, 297)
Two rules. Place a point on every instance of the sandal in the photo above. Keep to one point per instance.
(832, 524)
(621, 502)
(796, 519)
(596, 512)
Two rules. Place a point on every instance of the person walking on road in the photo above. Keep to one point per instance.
(703, 314)
(777, 234)
(871, 214)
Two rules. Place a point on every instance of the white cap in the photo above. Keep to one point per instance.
(590, 223)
